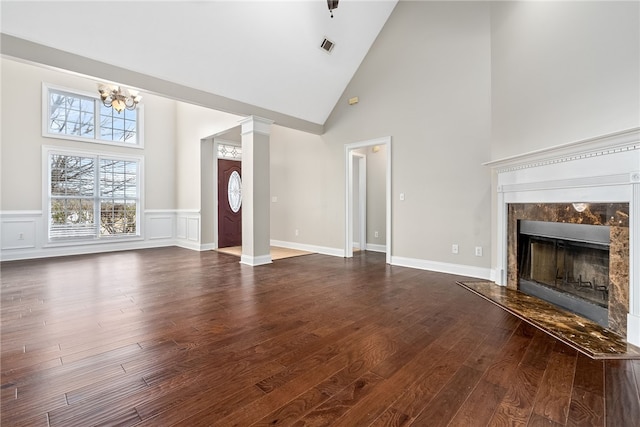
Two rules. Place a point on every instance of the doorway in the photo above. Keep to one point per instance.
(229, 203)
(350, 188)
(359, 200)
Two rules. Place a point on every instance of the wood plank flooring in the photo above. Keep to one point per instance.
(168, 336)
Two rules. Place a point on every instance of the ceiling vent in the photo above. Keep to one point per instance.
(327, 45)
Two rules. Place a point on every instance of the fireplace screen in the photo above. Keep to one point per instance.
(566, 264)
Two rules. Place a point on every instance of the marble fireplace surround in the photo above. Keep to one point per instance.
(605, 173)
(615, 215)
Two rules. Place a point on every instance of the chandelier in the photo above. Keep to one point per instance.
(332, 4)
(118, 98)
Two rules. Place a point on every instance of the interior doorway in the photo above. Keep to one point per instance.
(350, 188)
(359, 200)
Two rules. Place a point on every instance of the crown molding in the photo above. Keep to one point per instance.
(626, 140)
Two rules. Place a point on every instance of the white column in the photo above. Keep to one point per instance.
(256, 208)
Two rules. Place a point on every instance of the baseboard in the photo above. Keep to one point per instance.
(50, 252)
(255, 261)
(443, 267)
(377, 248)
(633, 329)
(309, 248)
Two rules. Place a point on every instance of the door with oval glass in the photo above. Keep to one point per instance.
(229, 203)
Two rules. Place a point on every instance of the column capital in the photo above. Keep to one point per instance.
(256, 124)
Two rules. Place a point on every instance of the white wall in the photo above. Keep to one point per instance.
(192, 124)
(562, 71)
(426, 83)
(299, 176)
(22, 138)
(21, 207)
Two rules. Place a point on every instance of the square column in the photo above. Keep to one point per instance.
(256, 191)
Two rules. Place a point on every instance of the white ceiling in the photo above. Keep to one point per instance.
(263, 53)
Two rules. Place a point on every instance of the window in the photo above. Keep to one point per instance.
(82, 116)
(228, 151)
(93, 196)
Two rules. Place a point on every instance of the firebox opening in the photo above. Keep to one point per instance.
(567, 265)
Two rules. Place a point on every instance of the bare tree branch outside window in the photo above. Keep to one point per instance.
(80, 190)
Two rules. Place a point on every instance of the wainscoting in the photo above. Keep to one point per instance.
(24, 235)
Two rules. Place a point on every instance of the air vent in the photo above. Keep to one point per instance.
(327, 45)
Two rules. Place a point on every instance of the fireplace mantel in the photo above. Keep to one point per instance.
(604, 169)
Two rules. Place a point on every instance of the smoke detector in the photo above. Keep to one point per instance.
(327, 45)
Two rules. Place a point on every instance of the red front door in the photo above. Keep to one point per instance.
(229, 203)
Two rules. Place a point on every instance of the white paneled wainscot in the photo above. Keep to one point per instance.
(23, 235)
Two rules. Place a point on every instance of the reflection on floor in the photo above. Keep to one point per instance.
(582, 334)
(276, 252)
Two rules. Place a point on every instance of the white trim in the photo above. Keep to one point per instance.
(20, 213)
(46, 87)
(624, 140)
(255, 124)
(309, 248)
(49, 252)
(224, 142)
(48, 150)
(255, 261)
(602, 169)
(633, 329)
(376, 248)
(348, 249)
(444, 267)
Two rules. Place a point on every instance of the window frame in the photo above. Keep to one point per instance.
(97, 238)
(47, 88)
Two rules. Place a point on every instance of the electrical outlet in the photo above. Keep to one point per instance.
(297, 232)
(20, 236)
(454, 248)
(478, 250)
(274, 199)
(376, 234)
(401, 196)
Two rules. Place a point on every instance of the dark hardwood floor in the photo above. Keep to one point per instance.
(169, 336)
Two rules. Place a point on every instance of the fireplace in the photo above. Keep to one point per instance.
(594, 182)
(589, 243)
(566, 264)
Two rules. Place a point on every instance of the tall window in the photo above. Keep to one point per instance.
(93, 196)
(74, 115)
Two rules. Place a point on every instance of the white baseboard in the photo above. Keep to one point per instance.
(255, 261)
(376, 248)
(443, 267)
(633, 329)
(50, 252)
(309, 248)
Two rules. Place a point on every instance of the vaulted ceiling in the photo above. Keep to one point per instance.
(260, 55)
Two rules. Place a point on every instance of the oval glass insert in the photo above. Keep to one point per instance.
(234, 191)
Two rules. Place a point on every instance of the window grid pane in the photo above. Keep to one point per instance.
(71, 114)
(116, 126)
(118, 197)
